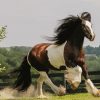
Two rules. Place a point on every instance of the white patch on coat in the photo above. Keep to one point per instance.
(73, 75)
(90, 27)
(56, 55)
(90, 87)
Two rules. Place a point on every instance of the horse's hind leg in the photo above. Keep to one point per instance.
(58, 90)
(39, 86)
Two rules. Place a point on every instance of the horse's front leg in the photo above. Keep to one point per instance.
(89, 84)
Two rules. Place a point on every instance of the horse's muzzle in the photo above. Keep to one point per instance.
(92, 37)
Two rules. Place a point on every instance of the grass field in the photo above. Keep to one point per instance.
(78, 96)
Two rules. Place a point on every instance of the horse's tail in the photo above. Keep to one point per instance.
(24, 76)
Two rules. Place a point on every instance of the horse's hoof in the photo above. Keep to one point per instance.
(42, 97)
(97, 94)
(62, 90)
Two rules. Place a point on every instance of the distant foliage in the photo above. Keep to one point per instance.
(93, 50)
(93, 57)
(2, 32)
(11, 57)
(2, 68)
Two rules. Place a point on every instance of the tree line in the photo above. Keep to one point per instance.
(11, 57)
(92, 50)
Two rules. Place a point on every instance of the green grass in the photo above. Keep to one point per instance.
(78, 96)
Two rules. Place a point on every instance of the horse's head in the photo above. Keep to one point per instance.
(87, 26)
(73, 76)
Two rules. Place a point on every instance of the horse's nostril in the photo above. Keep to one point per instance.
(92, 37)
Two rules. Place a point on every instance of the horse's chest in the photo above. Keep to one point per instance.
(56, 55)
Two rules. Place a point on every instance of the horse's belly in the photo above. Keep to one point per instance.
(56, 55)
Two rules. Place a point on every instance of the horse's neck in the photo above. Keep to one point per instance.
(71, 54)
(77, 38)
(74, 47)
(76, 41)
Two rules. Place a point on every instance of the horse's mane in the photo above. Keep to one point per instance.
(66, 29)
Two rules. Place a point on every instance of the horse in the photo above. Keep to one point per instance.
(65, 53)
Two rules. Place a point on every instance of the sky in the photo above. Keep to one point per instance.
(29, 21)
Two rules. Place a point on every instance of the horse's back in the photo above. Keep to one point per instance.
(39, 51)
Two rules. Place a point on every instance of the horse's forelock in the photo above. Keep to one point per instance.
(86, 16)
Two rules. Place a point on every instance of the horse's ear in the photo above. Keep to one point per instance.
(86, 16)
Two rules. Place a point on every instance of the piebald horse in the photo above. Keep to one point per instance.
(66, 53)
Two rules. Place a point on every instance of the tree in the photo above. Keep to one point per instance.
(2, 68)
(2, 36)
(2, 32)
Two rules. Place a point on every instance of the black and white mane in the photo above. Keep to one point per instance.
(66, 29)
